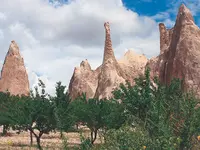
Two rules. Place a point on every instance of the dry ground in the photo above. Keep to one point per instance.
(50, 141)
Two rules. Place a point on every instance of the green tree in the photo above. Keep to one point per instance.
(5, 119)
(35, 114)
(136, 99)
(98, 114)
(166, 112)
(62, 109)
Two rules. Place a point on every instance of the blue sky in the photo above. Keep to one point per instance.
(147, 7)
(168, 8)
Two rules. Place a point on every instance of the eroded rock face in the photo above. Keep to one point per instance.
(180, 52)
(132, 65)
(111, 74)
(101, 82)
(84, 80)
(14, 77)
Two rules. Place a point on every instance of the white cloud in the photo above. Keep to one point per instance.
(53, 40)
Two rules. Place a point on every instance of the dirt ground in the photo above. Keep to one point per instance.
(50, 141)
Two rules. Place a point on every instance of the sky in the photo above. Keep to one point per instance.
(54, 36)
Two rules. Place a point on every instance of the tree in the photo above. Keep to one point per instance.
(166, 112)
(62, 109)
(36, 114)
(6, 104)
(136, 99)
(98, 114)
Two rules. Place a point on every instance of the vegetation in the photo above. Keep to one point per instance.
(148, 115)
(98, 114)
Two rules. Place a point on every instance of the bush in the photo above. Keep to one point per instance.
(166, 113)
(126, 138)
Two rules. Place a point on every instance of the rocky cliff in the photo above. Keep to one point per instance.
(102, 81)
(14, 77)
(179, 52)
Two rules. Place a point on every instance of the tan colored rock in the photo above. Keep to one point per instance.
(132, 65)
(84, 80)
(111, 74)
(102, 81)
(14, 77)
(180, 52)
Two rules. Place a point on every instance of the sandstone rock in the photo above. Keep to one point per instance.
(132, 65)
(14, 77)
(180, 52)
(111, 74)
(84, 80)
(102, 81)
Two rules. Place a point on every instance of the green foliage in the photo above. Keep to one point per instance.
(148, 115)
(136, 99)
(165, 112)
(85, 143)
(34, 113)
(5, 119)
(126, 138)
(98, 114)
(62, 109)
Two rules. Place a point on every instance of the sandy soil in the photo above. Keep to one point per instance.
(50, 141)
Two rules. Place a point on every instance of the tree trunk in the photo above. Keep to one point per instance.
(31, 138)
(38, 143)
(5, 128)
(93, 136)
(61, 134)
(37, 138)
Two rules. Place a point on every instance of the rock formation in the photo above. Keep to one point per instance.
(111, 74)
(102, 81)
(133, 65)
(14, 77)
(84, 80)
(179, 52)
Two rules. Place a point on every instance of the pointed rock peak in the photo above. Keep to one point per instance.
(132, 56)
(108, 51)
(184, 16)
(13, 49)
(129, 53)
(76, 71)
(85, 64)
(183, 8)
(107, 27)
(162, 27)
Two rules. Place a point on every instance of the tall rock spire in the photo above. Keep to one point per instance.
(101, 82)
(180, 57)
(184, 16)
(13, 49)
(14, 78)
(111, 74)
(108, 50)
(164, 37)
